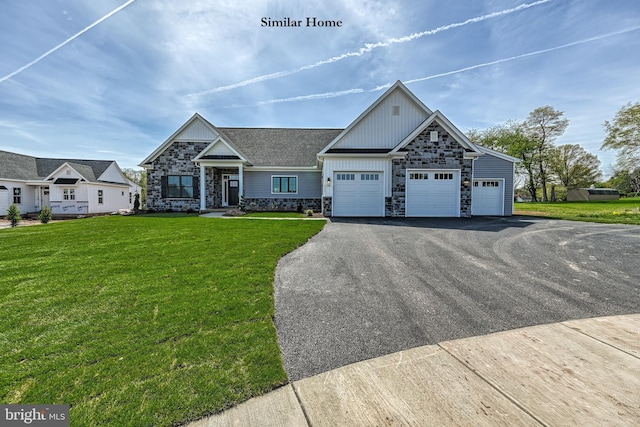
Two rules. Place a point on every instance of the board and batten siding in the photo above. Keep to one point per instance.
(491, 167)
(381, 128)
(257, 184)
(196, 131)
(333, 165)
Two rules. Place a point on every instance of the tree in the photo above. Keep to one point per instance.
(139, 177)
(543, 126)
(510, 139)
(573, 166)
(626, 182)
(624, 134)
(13, 215)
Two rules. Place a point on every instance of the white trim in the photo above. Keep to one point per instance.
(219, 139)
(498, 154)
(397, 85)
(203, 196)
(440, 118)
(147, 162)
(284, 176)
(282, 169)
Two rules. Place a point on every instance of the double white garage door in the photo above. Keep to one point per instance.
(428, 193)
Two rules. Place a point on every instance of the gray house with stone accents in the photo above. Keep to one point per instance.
(398, 158)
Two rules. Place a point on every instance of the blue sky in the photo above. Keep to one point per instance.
(113, 79)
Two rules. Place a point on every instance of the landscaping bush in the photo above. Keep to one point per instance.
(45, 214)
(13, 215)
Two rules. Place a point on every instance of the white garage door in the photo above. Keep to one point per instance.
(4, 200)
(433, 193)
(487, 197)
(358, 194)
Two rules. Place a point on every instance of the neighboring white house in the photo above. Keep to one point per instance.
(68, 187)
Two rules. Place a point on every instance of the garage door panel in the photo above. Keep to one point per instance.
(358, 194)
(433, 193)
(487, 197)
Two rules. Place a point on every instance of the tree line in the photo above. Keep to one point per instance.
(544, 165)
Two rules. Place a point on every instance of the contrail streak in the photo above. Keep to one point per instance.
(368, 48)
(70, 39)
(448, 73)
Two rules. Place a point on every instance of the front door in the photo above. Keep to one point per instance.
(45, 196)
(233, 185)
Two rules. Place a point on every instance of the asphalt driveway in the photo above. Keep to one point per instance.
(366, 288)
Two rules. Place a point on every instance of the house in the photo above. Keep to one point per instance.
(68, 187)
(398, 158)
(592, 194)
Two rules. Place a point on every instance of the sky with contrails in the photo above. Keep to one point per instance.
(113, 79)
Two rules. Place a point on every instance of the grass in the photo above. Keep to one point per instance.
(142, 320)
(275, 215)
(623, 211)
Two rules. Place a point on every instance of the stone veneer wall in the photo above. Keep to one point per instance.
(175, 160)
(327, 206)
(446, 153)
(283, 204)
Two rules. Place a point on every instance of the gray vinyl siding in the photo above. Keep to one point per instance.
(488, 166)
(257, 185)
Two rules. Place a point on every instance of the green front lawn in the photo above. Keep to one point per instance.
(274, 215)
(623, 211)
(141, 320)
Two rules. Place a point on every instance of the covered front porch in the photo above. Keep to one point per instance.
(221, 183)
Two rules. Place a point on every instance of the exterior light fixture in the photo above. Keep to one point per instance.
(328, 182)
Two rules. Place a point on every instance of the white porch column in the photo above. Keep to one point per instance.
(240, 182)
(203, 195)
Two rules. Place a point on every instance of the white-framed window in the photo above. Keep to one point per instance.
(345, 176)
(369, 177)
(284, 184)
(100, 196)
(17, 195)
(68, 194)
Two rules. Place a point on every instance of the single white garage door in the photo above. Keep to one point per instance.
(487, 197)
(4, 200)
(433, 193)
(358, 194)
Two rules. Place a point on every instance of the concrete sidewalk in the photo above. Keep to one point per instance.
(582, 372)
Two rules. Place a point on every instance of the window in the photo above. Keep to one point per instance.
(100, 196)
(284, 184)
(68, 194)
(445, 176)
(369, 177)
(180, 186)
(490, 184)
(418, 176)
(345, 177)
(17, 195)
(130, 197)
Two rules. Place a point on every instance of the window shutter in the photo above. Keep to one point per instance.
(163, 187)
(196, 187)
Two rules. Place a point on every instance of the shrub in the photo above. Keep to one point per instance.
(45, 214)
(13, 215)
(136, 202)
(309, 212)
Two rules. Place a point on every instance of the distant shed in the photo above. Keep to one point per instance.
(592, 194)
